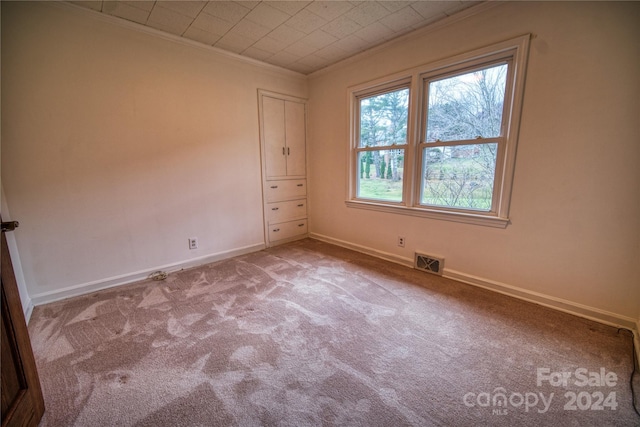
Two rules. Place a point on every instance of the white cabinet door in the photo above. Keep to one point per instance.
(273, 112)
(295, 138)
(284, 138)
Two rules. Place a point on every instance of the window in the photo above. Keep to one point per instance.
(382, 141)
(455, 161)
(464, 122)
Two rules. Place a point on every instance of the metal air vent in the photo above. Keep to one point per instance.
(429, 263)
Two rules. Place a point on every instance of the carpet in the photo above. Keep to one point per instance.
(311, 334)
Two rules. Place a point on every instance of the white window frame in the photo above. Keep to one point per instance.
(400, 82)
(515, 51)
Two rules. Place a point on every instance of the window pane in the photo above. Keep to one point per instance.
(380, 175)
(383, 119)
(467, 106)
(459, 176)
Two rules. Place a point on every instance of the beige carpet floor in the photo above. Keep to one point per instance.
(310, 334)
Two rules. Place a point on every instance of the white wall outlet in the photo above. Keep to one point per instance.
(193, 243)
(401, 241)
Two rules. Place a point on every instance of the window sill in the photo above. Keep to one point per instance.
(464, 217)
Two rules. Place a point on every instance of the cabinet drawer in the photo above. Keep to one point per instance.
(286, 189)
(287, 230)
(282, 211)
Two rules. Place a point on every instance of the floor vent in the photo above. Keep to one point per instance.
(429, 263)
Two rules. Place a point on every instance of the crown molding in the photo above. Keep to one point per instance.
(223, 54)
(435, 26)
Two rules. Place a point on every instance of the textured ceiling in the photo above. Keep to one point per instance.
(302, 36)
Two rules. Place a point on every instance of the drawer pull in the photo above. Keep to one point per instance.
(274, 209)
(283, 151)
(275, 230)
(300, 185)
(301, 225)
(274, 186)
(301, 205)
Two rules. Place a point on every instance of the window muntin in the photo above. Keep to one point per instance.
(381, 142)
(432, 150)
(463, 122)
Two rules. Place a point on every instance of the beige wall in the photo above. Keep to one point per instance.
(117, 146)
(575, 209)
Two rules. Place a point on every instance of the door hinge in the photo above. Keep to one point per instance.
(10, 225)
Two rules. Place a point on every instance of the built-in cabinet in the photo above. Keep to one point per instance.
(284, 171)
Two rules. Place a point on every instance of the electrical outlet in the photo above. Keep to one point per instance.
(193, 243)
(401, 241)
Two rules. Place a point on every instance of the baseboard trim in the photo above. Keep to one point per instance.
(591, 313)
(97, 285)
(407, 262)
(28, 310)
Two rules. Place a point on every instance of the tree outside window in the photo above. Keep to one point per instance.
(439, 141)
(463, 127)
(382, 135)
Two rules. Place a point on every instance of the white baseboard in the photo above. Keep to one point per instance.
(592, 313)
(84, 288)
(407, 262)
(28, 310)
